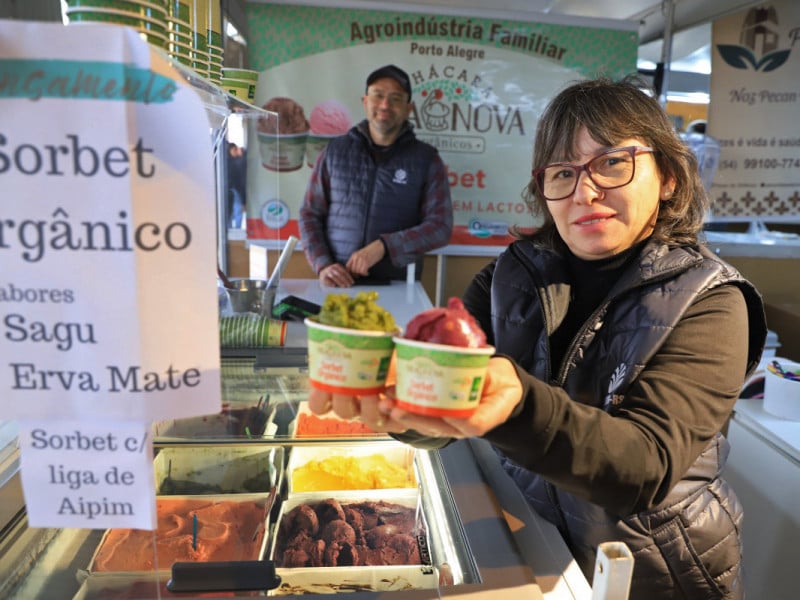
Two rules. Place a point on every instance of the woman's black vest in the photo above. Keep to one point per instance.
(529, 294)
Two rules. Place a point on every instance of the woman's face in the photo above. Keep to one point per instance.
(597, 223)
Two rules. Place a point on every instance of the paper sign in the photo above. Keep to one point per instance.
(88, 475)
(753, 113)
(108, 305)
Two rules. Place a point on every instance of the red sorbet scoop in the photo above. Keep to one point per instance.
(452, 326)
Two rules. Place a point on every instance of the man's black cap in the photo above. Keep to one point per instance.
(392, 72)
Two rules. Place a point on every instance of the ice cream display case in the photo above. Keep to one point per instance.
(381, 517)
(233, 477)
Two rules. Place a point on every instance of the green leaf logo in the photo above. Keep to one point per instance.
(740, 57)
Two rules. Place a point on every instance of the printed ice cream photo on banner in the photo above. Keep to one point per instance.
(328, 119)
(283, 143)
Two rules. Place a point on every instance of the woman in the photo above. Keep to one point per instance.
(622, 346)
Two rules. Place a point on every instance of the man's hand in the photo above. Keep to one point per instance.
(361, 260)
(336, 275)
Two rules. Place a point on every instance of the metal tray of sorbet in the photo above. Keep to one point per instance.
(385, 465)
(102, 586)
(235, 421)
(218, 469)
(140, 542)
(341, 579)
(140, 586)
(307, 425)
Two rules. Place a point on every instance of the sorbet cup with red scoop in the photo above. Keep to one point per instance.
(441, 363)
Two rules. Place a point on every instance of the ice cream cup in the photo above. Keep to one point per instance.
(238, 89)
(244, 90)
(155, 10)
(241, 74)
(348, 361)
(117, 17)
(282, 152)
(315, 144)
(439, 380)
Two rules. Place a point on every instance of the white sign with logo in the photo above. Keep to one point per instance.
(753, 112)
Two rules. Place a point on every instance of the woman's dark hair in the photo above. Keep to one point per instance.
(612, 111)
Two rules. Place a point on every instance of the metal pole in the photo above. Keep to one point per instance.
(668, 8)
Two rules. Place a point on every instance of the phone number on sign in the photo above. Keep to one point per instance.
(771, 163)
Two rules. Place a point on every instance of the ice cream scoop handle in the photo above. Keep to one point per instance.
(283, 260)
(223, 576)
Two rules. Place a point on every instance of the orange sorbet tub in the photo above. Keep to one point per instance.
(209, 529)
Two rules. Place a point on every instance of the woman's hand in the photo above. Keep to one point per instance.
(502, 392)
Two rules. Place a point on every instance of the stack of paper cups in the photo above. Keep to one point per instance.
(148, 18)
(215, 43)
(179, 31)
(200, 37)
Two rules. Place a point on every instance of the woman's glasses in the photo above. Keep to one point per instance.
(609, 170)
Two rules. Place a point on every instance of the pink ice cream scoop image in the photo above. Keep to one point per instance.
(330, 117)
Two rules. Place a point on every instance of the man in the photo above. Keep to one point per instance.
(237, 185)
(378, 198)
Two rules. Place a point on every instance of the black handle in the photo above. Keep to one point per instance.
(245, 575)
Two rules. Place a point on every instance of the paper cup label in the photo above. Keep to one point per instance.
(249, 331)
(348, 363)
(436, 382)
(282, 152)
(315, 145)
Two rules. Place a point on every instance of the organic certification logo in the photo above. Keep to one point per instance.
(275, 213)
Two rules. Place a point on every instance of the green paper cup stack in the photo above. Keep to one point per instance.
(147, 18)
(179, 31)
(215, 43)
(199, 21)
(250, 330)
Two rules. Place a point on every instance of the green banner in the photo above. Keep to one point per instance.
(479, 86)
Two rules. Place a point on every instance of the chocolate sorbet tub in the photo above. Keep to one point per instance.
(352, 541)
